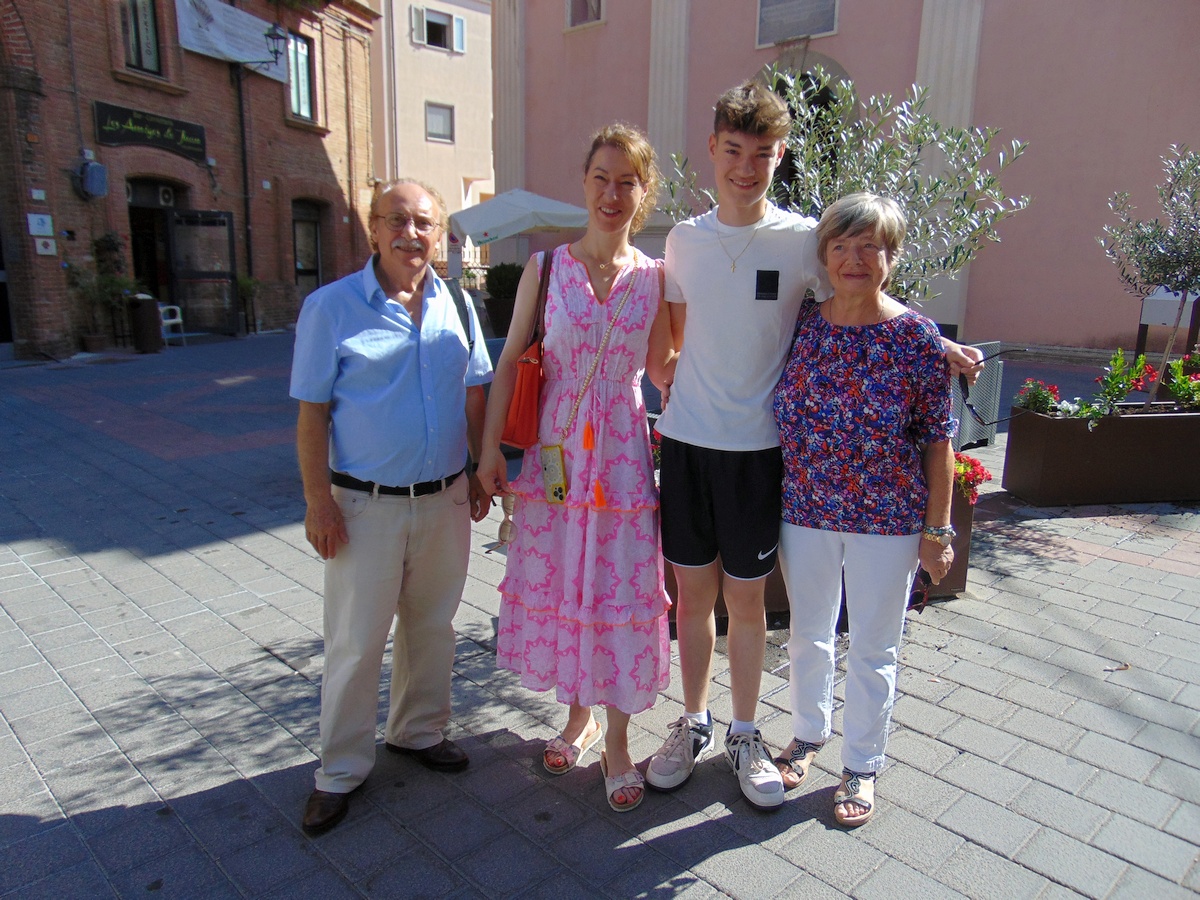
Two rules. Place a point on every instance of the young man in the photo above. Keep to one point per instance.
(735, 279)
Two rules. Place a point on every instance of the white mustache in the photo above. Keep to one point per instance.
(406, 246)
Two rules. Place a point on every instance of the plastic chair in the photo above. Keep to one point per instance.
(171, 315)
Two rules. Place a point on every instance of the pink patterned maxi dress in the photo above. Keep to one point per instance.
(583, 609)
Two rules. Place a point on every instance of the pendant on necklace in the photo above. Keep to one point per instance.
(733, 267)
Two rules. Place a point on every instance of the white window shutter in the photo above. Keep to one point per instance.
(460, 34)
(418, 24)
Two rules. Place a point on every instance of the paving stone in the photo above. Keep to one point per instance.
(1177, 780)
(1103, 720)
(983, 707)
(987, 824)
(1138, 884)
(1107, 753)
(745, 871)
(980, 739)
(1036, 696)
(1071, 863)
(911, 839)
(1185, 823)
(915, 791)
(916, 714)
(27, 861)
(1060, 810)
(919, 751)
(1170, 742)
(1042, 729)
(824, 853)
(894, 879)
(982, 875)
(984, 778)
(1147, 847)
(1138, 801)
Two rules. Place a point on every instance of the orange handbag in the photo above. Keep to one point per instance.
(521, 424)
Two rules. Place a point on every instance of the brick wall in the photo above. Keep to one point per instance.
(56, 61)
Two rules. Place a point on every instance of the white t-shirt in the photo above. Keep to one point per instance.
(739, 324)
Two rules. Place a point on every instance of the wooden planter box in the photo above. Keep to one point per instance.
(962, 517)
(1130, 458)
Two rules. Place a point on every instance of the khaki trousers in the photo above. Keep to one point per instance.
(407, 560)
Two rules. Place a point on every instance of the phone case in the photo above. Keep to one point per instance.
(554, 473)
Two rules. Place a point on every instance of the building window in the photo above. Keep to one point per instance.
(300, 75)
(584, 12)
(788, 20)
(439, 122)
(140, 29)
(439, 29)
(306, 246)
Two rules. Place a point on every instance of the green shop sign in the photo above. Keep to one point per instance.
(117, 126)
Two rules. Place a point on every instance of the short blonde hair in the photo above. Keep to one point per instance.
(640, 154)
(856, 213)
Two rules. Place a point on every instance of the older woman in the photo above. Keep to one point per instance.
(863, 410)
(583, 608)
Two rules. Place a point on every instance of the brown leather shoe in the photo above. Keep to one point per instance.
(444, 757)
(324, 810)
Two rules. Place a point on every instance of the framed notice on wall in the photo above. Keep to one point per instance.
(780, 21)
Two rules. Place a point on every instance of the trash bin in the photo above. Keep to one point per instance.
(146, 324)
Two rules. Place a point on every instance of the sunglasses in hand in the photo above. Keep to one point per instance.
(965, 387)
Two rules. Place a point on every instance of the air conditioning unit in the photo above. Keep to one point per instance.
(166, 195)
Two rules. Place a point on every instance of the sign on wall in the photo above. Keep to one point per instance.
(216, 29)
(118, 126)
(785, 20)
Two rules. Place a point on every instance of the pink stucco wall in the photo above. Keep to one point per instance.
(1099, 90)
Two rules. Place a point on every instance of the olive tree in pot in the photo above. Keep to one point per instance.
(1164, 250)
(945, 178)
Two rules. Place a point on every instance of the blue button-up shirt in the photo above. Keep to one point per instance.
(397, 393)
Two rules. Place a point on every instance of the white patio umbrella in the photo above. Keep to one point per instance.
(514, 212)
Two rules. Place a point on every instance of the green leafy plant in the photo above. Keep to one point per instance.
(1117, 381)
(1184, 381)
(840, 143)
(1164, 250)
(105, 286)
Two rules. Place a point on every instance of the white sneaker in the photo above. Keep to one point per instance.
(758, 778)
(672, 765)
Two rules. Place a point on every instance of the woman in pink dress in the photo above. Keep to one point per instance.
(584, 610)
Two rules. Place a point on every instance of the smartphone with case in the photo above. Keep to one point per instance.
(554, 473)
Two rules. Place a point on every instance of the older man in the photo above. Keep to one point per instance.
(390, 380)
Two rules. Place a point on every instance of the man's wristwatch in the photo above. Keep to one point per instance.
(941, 534)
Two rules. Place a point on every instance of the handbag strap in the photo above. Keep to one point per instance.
(538, 331)
(566, 429)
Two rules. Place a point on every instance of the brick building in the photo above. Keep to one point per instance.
(216, 141)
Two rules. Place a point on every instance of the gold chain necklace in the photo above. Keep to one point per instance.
(733, 259)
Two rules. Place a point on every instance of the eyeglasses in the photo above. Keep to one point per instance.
(508, 502)
(918, 593)
(965, 387)
(421, 224)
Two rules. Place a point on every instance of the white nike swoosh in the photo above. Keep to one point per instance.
(768, 553)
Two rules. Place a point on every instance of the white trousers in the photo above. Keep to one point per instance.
(407, 559)
(878, 571)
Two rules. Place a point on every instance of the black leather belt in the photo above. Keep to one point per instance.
(420, 489)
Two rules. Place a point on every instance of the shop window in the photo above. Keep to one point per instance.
(439, 29)
(439, 122)
(139, 27)
(584, 12)
(306, 246)
(300, 76)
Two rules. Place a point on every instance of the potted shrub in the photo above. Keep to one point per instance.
(1071, 452)
(1104, 450)
(102, 288)
(501, 283)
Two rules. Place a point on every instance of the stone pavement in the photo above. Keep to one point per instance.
(160, 662)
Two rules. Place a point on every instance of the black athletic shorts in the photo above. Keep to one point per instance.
(720, 502)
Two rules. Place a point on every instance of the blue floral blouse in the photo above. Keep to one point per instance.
(855, 407)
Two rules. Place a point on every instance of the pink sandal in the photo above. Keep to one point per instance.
(626, 782)
(571, 753)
